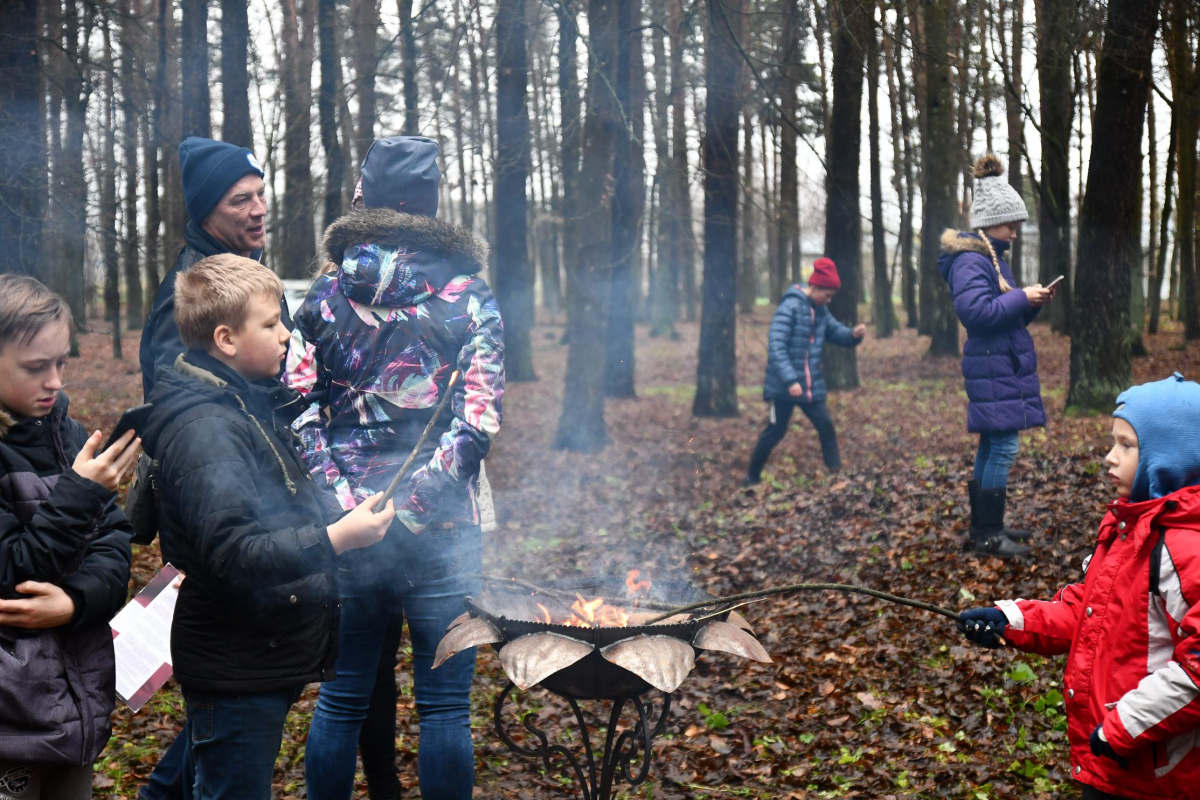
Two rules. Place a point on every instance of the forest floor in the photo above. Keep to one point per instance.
(864, 699)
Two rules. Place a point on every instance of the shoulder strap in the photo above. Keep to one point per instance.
(1156, 561)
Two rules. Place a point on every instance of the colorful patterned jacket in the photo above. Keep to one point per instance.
(375, 343)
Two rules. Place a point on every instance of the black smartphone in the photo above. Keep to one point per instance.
(134, 419)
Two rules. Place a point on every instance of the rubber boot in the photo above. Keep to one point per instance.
(1019, 536)
(987, 527)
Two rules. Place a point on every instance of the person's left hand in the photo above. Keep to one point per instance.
(1100, 747)
(860, 330)
(47, 606)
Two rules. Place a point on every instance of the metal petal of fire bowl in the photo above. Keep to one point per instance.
(661, 661)
(728, 638)
(531, 659)
(737, 619)
(472, 633)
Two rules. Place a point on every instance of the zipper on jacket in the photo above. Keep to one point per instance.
(812, 338)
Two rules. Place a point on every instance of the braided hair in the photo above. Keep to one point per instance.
(1005, 286)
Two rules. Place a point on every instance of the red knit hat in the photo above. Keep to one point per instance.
(824, 274)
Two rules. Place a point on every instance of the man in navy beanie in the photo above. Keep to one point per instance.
(225, 197)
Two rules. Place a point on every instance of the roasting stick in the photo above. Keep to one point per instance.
(517, 583)
(408, 462)
(806, 587)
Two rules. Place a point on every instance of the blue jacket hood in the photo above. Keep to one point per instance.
(1165, 415)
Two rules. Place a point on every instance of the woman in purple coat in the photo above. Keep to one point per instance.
(999, 361)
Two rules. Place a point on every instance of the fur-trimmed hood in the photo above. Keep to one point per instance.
(388, 228)
(6, 423)
(396, 260)
(955, 243)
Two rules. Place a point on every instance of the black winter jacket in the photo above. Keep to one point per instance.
(57, 685)
(161, 344)
(239, 514)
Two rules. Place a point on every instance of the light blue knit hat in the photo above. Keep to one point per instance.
(1165, 415)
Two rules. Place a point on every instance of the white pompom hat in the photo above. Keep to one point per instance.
(995, 201)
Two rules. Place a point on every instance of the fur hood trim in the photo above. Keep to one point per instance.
(384, 226)
(955, 242)
(6, 423)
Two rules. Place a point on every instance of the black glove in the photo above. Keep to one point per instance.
(1103, 748)
(983, 626)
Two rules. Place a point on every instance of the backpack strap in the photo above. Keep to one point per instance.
(1156, 561)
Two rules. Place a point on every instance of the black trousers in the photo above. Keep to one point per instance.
(377, 737)
(777, 425)
(1095, 794)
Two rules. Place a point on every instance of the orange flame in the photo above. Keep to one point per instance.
(635, 587)
(545, 611)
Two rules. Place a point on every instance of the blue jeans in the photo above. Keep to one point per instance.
(166, 781)
(994, 458)
(234, 742)
(428, 587)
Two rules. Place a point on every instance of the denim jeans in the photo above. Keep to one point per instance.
(427, 586)
(167, 780)
(777, 425)
(994, 458)
(234, 742)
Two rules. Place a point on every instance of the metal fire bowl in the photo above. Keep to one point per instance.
(592, 677)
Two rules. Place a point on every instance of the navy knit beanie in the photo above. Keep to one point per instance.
(209, 168)
(401, 173)
(1165, 415)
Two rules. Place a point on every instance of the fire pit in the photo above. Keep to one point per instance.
(593, 640)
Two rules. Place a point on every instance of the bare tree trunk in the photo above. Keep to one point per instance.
(1056, 24)
(716, 373)
(331, 68)
(235, 83)
(903, 142)
(170, 133)
(108, 197)
(298, 237)
(570, 109)
(366, 66)
(1156, 282)
(684, 245)
(940, 173)
(581, 427)
(1109, 224)
(129, 157)
(411, 113)
(748, 274)
(74, 188)
(664, 289)
(789, 207)
(629, 193)
(194, 50)
(1185, 79)
(1013, 86)
(513, 277)
(884, 312)
(151, 278)
(23, 179)
(843, 218)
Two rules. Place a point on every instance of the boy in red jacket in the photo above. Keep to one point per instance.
(1129, 629)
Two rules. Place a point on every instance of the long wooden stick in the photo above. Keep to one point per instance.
(408, 462)
(737, 599)
(807, 587)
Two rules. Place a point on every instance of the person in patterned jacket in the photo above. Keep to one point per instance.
(1131, 628)
(399, 308)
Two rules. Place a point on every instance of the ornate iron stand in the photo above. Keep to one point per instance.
(620, 750)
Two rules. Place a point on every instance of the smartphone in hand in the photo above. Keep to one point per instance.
(134, 419)
(1054, 282)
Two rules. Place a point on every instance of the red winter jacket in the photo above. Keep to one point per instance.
(1133, 655)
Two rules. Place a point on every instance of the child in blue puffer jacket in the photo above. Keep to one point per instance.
(799, 329)
(999, 361)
